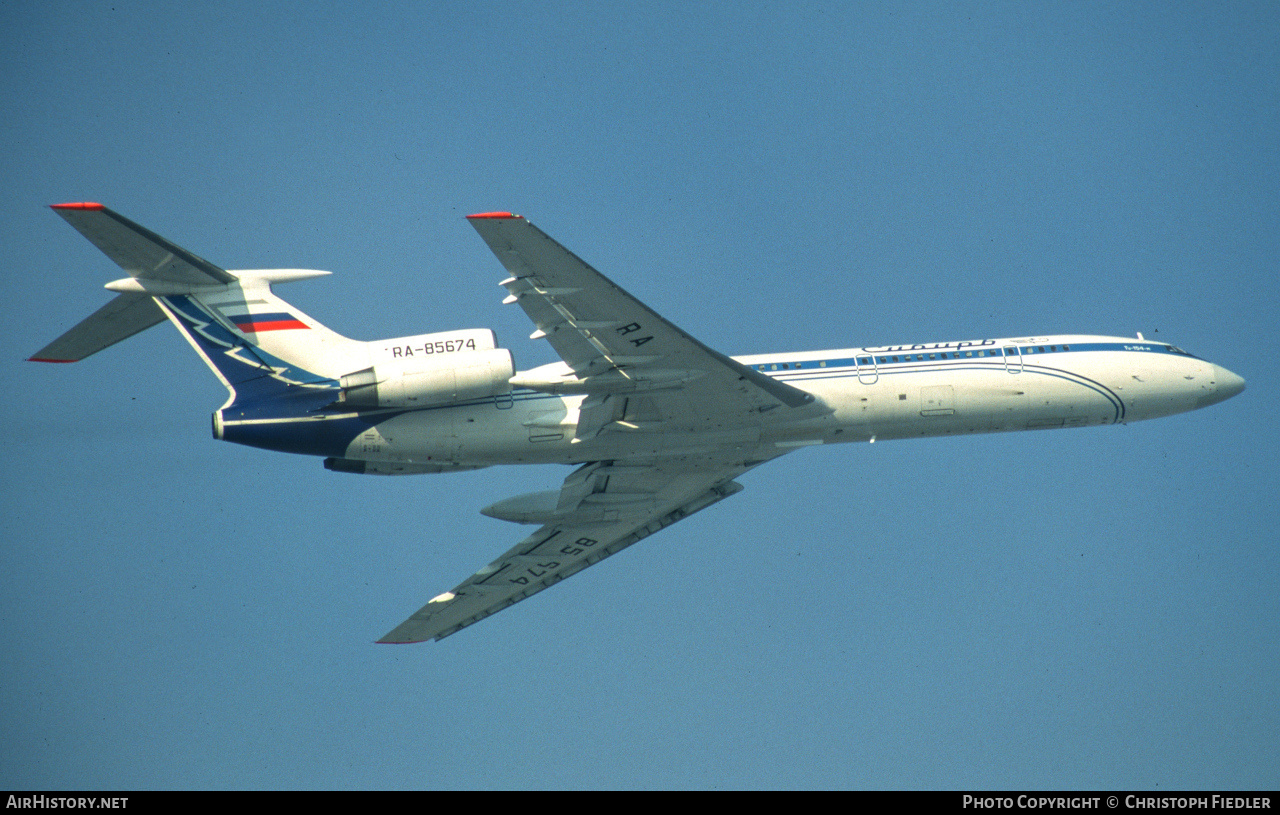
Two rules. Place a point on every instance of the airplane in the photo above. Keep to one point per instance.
(657, 424)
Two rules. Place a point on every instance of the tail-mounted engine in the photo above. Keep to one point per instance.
(430, 370)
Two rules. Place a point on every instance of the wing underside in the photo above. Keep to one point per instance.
(612, 506)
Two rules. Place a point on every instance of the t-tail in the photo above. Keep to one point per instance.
(294, 384)
(258, 345)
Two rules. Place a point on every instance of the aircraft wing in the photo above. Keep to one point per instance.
(615, 344)
(602, 508)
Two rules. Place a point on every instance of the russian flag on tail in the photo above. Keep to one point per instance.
(257, 323)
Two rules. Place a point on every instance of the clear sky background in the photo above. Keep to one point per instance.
(1087, 608)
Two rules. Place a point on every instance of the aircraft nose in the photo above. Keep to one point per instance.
(1226, 385)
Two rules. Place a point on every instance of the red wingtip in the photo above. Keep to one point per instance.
(83, 205)
(493, 215)
(41, 359)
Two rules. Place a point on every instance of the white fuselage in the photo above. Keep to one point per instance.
(867, 394)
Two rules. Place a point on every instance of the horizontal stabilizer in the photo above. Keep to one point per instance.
(118, 320)
(139, 251)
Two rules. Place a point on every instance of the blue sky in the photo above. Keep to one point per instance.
(1087, 608)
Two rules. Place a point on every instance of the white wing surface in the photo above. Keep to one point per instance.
(640, 374)
(614, 343)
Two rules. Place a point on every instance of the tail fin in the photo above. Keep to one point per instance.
(256, 343)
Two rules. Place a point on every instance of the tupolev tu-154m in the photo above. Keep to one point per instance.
(656, 424)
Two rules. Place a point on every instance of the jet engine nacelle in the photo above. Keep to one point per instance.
(428, 381)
